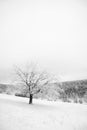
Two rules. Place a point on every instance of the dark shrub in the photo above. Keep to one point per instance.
(20, 94)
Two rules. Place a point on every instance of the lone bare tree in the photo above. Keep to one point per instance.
(33, 80)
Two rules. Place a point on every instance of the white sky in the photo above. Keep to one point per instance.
(52, 33)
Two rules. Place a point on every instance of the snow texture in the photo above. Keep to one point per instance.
(17, 114)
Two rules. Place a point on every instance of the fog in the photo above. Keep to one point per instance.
(52, 33)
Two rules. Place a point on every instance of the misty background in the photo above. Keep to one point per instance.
(52, 33)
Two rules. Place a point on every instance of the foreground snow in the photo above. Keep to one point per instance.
(17, 114)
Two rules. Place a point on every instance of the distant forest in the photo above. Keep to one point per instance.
(69, 91)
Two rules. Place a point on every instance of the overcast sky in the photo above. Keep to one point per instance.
(50, 32)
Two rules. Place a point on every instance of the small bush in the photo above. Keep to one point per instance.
(80, 101)
(20, 95)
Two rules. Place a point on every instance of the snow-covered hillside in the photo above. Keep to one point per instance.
(17, 114)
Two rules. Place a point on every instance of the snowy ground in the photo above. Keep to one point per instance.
(17, 114)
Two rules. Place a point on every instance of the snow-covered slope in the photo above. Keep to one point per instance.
(17, 114)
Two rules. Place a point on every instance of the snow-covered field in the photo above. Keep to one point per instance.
(17, 114)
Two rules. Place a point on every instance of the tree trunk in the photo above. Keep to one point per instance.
(31, 98)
